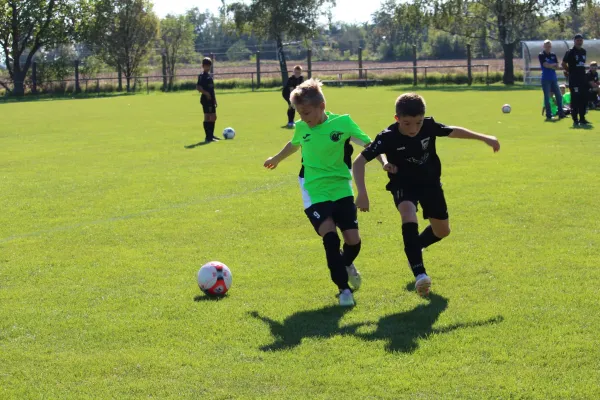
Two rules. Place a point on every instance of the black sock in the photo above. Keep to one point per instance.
(207, 129)
(291, 114)
(582, 114)
(350, 253)
(335, 261)
(211, 126)
(412, 247)
(427, 237)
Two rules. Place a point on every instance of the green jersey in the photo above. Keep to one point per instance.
(567, 98)
(327, 174)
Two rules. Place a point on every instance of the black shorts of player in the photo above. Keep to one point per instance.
(209, 107)
(431, 197)
(342, 211)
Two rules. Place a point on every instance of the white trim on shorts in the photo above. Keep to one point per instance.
(306, 201)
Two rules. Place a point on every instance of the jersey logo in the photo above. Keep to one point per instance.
(305, 137)
(401, 148)
(425, 143)
(335, 136)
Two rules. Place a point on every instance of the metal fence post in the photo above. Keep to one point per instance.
(257, 72)
(147, 87)
(360, 63)
(414, 65)
(309, 62)
(469, 72)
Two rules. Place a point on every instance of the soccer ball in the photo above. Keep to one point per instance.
(214, 278)
(506, 108)
(228, 133)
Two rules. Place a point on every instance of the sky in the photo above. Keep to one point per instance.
(345, 10)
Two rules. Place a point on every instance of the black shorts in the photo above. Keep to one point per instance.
(209, 107)
(431, 198)
(342, 211)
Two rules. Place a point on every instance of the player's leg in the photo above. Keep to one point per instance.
(546, 87)
(320, 216)
(291, 114)
(583, 93)
(346, 218)
(574, 104)
(559, 103)
(435, 210)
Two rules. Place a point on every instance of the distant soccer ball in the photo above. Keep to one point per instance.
(214, 278)
(228, 133)
(506, 108)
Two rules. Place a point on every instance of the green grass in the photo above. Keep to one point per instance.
(106, 218)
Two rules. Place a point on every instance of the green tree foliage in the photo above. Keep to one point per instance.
(26, 26)
(177, 41)
(123, 32)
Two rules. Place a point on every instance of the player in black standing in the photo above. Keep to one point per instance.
(290, 85)
(414, 170)
(206, 86)
(574, 65)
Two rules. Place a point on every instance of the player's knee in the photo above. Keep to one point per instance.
(327, 226)
(408, 212)
(351, 237)
(442, 231)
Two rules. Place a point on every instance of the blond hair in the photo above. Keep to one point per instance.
(308, 93)
(547, 41)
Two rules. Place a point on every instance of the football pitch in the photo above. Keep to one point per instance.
(106, 217)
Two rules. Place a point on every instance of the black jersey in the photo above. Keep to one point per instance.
(591, 76)
(415, 157)
(575, 59)
(292, 82)
(205, 81)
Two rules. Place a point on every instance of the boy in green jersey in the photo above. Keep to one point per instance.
(326, 180)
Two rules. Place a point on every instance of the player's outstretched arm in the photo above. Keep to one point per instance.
(358, 171)
(287, 151)
(463, 133)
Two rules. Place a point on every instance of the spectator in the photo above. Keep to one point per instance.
(549, 64)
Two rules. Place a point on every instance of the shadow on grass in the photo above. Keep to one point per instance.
(321, 323)
(205, 297)
(202, 143)
(401, 331)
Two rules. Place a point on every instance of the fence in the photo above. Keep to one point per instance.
(264, 74)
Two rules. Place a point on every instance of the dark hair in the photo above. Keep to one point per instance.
(298, 67)
(206, 61)
(410, 105)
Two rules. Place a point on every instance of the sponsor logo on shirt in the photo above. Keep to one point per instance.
(425, 143)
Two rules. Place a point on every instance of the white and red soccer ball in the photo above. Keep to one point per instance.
(214, 278)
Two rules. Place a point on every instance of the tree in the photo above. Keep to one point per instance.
(505, 21)
(591, 18)
(123, 33)
(26, 26)
(238, 51)
(279, 19)
(177, 40)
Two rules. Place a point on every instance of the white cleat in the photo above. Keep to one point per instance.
(423, 285)
(354, 277)
(346, 298)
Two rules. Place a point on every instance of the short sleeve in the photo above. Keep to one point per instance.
(377, 147)
(199, 80)
(438, 129)
(297, 136)
(542, 59)
(566, 57)
(357, 133)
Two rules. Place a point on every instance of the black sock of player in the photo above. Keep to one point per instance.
(427, 237)
(582, 113)
(350, 253)
(412, 247)
(212, 129)
(291, 114)
(335, 261)
(207, 129)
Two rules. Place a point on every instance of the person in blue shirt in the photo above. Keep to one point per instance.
(549, 64)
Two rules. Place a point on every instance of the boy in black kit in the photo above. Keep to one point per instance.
(594, 87)
(414, 170)
(208, 100)
(574, 65)
(291, 84)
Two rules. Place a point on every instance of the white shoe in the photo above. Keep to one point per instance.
(354, 277)
(346, 298)
(423, 285)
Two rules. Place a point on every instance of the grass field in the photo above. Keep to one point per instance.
(106, 219)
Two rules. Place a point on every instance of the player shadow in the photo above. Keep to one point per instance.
(320, 323)
(403, 331)
(202, 143)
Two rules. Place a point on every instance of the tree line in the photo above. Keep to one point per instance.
(125, 34)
